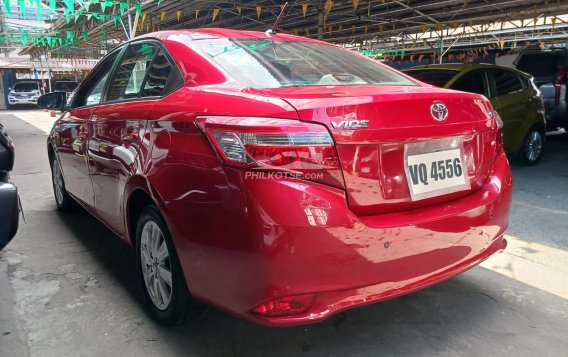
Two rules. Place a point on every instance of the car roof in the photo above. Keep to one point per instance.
(210, 33)
(531, 51)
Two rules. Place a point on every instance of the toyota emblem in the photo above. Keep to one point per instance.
(439, 111)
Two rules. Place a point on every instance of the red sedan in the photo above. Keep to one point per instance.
(279, 178)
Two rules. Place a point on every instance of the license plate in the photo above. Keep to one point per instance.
(435, 173)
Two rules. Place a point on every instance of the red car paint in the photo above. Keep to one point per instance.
(244, 241)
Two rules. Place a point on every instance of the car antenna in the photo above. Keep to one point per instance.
(278, 20)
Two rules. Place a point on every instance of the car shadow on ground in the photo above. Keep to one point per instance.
(26, 107)
(479, 312)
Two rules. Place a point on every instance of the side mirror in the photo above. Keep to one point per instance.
(53, 100)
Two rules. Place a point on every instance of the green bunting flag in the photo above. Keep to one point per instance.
(52, 7)
(7, 7)
(23, 9)
(105, 4)
(123, 6)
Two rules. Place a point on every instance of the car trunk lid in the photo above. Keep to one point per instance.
(373, 157)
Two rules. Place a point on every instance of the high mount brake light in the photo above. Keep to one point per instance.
(297, 149)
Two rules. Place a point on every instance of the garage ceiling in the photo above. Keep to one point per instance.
(340, 21)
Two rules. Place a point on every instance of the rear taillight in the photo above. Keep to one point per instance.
(496, 123)
(560, 79)
(285, 306)
(288, 147)
(499, 133)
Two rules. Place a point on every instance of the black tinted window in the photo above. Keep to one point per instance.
(471, 82)
(25, 87)
(539, 64)
(130, 74)
(435, 77)
(158, 75)
(506, 82)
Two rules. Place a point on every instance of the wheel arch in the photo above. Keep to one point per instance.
(137, 199)
(541, 127)
(50, 152)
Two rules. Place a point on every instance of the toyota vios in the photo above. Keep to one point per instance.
(279, 178)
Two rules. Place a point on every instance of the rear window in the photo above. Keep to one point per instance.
(25, 87)
(539, 64)
(435, 77)
(262, 63)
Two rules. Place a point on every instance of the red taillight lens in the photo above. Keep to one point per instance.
(499, 133)
(560, 79)
(297, 149)
(285, 306)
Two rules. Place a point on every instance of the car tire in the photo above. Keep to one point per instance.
(65, 203)
(531, 150)
(163, 284)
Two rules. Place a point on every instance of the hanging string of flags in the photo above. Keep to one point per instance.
(113, 10)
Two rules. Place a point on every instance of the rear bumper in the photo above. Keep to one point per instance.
(9, 211)
(275, 238)
(557, 116)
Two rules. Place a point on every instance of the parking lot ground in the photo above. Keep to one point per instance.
(68, 287)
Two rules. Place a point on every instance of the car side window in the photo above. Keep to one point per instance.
(93, 96)
(472, 82)
(92, 93)
(506, 82)
(158, 75)
(130, 73)
(525, 81)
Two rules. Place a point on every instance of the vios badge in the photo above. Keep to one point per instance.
(439, 111)
(350, 124)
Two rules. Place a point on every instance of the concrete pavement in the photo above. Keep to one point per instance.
(68, 287)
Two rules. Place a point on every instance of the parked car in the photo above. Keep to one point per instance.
(9, 207)
(512, 94)
(549, 69)
(65, 86)
(24, 93)
(280, 178)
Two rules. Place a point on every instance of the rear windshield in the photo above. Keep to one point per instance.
(539, 64)
(261, 63)
(435, 77)
(65, 86)
(25, 87)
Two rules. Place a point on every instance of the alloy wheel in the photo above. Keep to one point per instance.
(156, 265)
(533, 147)
(58, 185)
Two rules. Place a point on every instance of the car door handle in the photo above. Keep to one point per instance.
(130, 134)
(130, 137)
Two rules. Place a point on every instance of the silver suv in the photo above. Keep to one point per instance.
(24, 92)
(549, 69)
